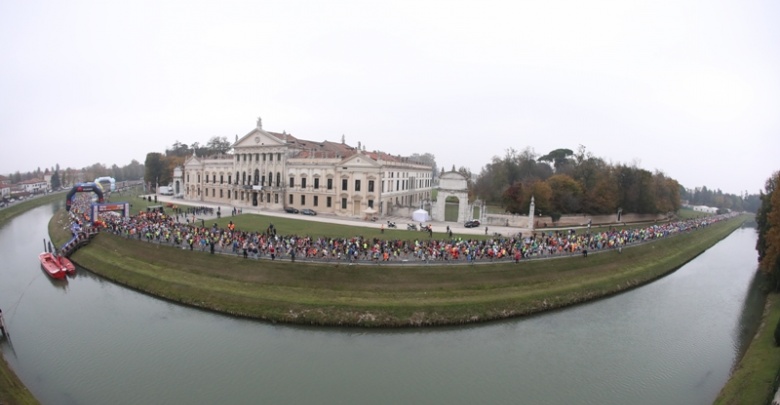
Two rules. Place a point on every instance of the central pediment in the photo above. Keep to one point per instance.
(359, 160)
(258, 137)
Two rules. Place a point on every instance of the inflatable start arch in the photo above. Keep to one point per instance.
(107, 183)
(82, 188)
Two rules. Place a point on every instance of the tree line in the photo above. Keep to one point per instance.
(568, 182)
(68, 176)
(159, 166)
(768, 220)
(722, 201)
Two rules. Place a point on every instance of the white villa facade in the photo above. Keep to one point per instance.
(34, 186)
(269, 170)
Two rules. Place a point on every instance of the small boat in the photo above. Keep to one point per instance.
(66, 264)
(51, 265)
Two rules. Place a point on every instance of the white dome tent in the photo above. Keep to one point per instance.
(370, 212)
(421, 215)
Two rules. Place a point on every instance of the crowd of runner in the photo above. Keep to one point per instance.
(180, 229)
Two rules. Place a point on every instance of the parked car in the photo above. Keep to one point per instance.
(471, 224)
(291, 210)
(307, 211)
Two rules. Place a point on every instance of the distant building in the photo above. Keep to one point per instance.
(705, 209)
(47, 178)
(34, 186)
(273, 170)
(5, 191)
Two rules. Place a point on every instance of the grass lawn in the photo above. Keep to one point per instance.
(12, 391)
(754, 380)
(366, 295)
(18, 208)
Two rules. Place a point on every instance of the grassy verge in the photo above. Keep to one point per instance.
(337, 294)
(12, 391)
(754, 380)
(8, 213)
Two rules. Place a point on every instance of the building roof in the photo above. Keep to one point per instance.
(32, 181)
(303, 148)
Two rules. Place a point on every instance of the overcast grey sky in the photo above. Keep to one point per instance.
(691, 88)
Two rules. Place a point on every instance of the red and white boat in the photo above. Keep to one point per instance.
(66, 264)
(52, 266)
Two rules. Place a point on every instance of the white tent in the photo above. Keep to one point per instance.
(421, 216)
(369, 213)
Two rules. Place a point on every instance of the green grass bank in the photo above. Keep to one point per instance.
(384, 296)
(755, 378)
(12, 391)
(7, 213)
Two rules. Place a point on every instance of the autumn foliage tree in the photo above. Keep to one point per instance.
(566, 194)
(566, 182)
(514, 198)
(768, 219)
(157, 171)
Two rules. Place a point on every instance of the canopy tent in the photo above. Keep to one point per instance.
(369, 213)
(421, 216)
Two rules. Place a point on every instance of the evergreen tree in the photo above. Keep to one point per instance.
(55, 181)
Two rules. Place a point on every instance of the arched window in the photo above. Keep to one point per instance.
(257, 176)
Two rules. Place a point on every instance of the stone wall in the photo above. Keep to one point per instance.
(567, 220)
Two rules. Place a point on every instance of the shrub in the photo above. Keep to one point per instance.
(777, 333)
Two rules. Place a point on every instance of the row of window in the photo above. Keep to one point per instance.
(406, 174)
(316, 200)
(291, 197)
(328, 201)
(243, 194)
(245, 180)
(248, 157)
(400, 185)
(344, 184)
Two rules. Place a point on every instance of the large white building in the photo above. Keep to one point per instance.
(272, 170)
(34, 186)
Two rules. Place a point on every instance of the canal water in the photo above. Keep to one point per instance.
(88, 341)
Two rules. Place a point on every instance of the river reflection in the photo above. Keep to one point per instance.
(93, 342)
